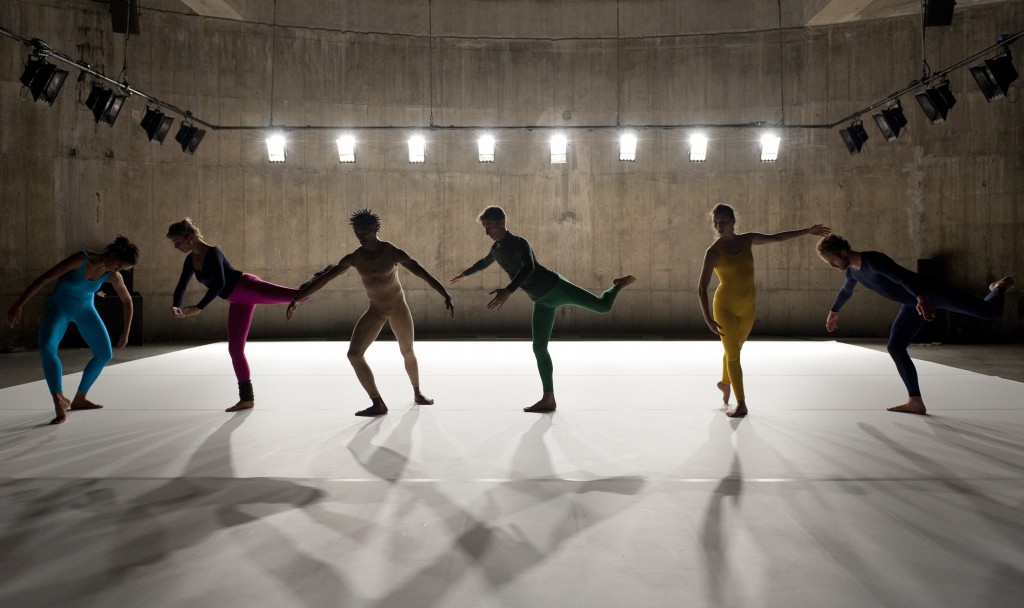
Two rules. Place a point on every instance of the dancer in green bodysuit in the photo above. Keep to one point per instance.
(548, 290)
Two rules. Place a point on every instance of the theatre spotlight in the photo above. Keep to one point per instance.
(417, 149)
(276, 147)
(698, 148)
(854, 137)
(559, 144)
(891, 121)
(936, 102)
(43, 79)
(105, 104)
(347, 149)
(770, 147)
(995, 76)
(627, 147)
(485, 148)
(156, 124)
(189, 137)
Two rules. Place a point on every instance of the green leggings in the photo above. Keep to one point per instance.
(544, 308)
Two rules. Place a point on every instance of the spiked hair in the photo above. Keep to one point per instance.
(364, 218)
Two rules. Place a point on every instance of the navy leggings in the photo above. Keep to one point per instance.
(908, 322)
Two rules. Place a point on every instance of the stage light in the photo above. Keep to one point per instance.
(854, 137)
(43, 79)
(156, 124)
(417, 149)
(938, 12)
(936, 102)
(105, 104)
(485, 148)
(770, 147)
(891, 121)
(698, 148)
(347, 149)
(189, 137)
(627, 147)
(995, 76)
(276, 147)
(559, 144)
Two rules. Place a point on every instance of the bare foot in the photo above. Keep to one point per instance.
(1005, 283)
(420, 399)
(377, 409)
(914, 405)
(81, 403)
(726, 391)
(625, 281)
(241, 405)
(738, 412)
(546, 404)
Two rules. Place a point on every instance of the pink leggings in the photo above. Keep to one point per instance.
(250, 291)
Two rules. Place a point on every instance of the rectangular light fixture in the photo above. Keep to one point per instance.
(189, 137)
(890, 122)
(770, 147)
(44, 80)
(995, 76)
(276, 152)
(559, 144)
(105, 104)
(156, 124)
(698, 148)
(627, 147)
(936, 102)
(347, 149)
(854, 137)
(417, 149)
(485, 147)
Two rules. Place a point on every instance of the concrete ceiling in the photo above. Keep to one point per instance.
(809, 13)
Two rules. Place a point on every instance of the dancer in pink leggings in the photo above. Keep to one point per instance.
(243, 292)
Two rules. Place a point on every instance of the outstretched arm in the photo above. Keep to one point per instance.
(482, 263)
(318, 283)
(710, 259)
(414, 267)
(756, 238)
(126, 303)
(68, 264)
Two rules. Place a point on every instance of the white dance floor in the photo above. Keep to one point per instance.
(637, 492)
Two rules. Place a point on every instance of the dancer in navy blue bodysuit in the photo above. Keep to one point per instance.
(78, 277)
(919, 296)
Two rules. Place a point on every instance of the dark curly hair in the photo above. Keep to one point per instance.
(364, 218)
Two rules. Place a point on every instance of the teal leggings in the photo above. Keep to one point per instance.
(544, 308)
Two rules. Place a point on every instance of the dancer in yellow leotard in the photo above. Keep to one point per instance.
(731, 258)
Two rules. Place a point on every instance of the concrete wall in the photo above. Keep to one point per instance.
(950, 190)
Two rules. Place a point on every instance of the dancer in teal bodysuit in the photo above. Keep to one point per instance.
(78, 277)
(548, 290)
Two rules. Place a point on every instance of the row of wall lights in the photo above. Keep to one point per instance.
(277, 148)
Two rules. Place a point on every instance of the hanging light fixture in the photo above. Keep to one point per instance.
(156, 124)
(43, 79)
(770, 147)
(891, 121)
(189, 137)
(854, 137)
(485, 148)
(627, 146)
(276, 152)
(698, 148)
(936, 102)
(559, 144)
(417, 149)
(105, 104)
(347, 149)
(995, 76)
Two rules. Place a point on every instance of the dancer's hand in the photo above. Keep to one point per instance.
(925, 308)
(188, 311)
(291, 309)
(451, 307)
(832, 321)
(457, 280)
(13, 316)
(819, 230)
(122, 341)
(714, 326)
(500, 297)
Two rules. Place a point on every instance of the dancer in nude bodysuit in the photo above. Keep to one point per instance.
(377, 262)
